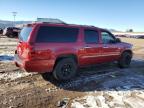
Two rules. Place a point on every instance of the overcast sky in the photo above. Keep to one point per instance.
(116, 14)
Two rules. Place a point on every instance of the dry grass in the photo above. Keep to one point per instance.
(138, 44)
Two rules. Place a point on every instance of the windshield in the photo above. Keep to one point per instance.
(24, 34)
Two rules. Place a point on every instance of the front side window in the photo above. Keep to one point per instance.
(57, 34)
(107, 38)
(91, 36)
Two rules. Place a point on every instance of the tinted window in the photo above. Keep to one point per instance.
(91, 36)
(57, 34)
(107, 38)
(24, 34)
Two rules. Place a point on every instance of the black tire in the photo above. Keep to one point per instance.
(125, 60)
(65, 69)
(10, 36)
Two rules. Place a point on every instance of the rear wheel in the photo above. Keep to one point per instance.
(125, 60)
(65, 69)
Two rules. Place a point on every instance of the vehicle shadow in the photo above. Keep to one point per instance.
(102, 77)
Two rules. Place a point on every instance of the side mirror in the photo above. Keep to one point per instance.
(118, 40)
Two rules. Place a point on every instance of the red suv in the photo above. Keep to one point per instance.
(62, 48)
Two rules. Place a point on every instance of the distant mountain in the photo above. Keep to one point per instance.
(4, 23)
(113, 30)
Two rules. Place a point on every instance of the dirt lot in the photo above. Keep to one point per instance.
(102, 86)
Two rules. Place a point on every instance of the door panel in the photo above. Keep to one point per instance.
(110, 49)
(110, 52)
(92, 54)
(92, 47)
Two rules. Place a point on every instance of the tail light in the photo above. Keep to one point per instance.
(30, 52)
(25, 50)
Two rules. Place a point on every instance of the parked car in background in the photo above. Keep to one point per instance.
(120, 35)
(11, 32)
(139, 36)
(62, 48)
(1, 31)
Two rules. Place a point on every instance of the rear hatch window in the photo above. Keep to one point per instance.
(24, 34)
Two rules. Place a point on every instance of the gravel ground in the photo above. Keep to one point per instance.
(101, 86)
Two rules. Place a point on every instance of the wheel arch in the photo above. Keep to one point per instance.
(128, 51)
(60, 57)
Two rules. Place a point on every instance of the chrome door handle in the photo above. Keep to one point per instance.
(105, 47)
(87, 47)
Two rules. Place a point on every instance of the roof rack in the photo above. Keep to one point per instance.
(57, 21)
(82, 25)
(54, 22)
(50, 21)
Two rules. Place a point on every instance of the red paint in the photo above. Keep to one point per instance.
(41, 57)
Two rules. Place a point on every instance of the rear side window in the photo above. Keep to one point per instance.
(91, 36)
(57, 34)
(24, 34)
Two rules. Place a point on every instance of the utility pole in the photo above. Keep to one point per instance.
(14, 15)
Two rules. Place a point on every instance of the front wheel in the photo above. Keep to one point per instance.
(65, 69)
(125, 60)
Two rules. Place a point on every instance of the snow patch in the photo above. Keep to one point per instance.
(6, 58)
(109, 99)
(77, 105)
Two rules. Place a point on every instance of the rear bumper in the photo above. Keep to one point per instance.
(39, 66)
